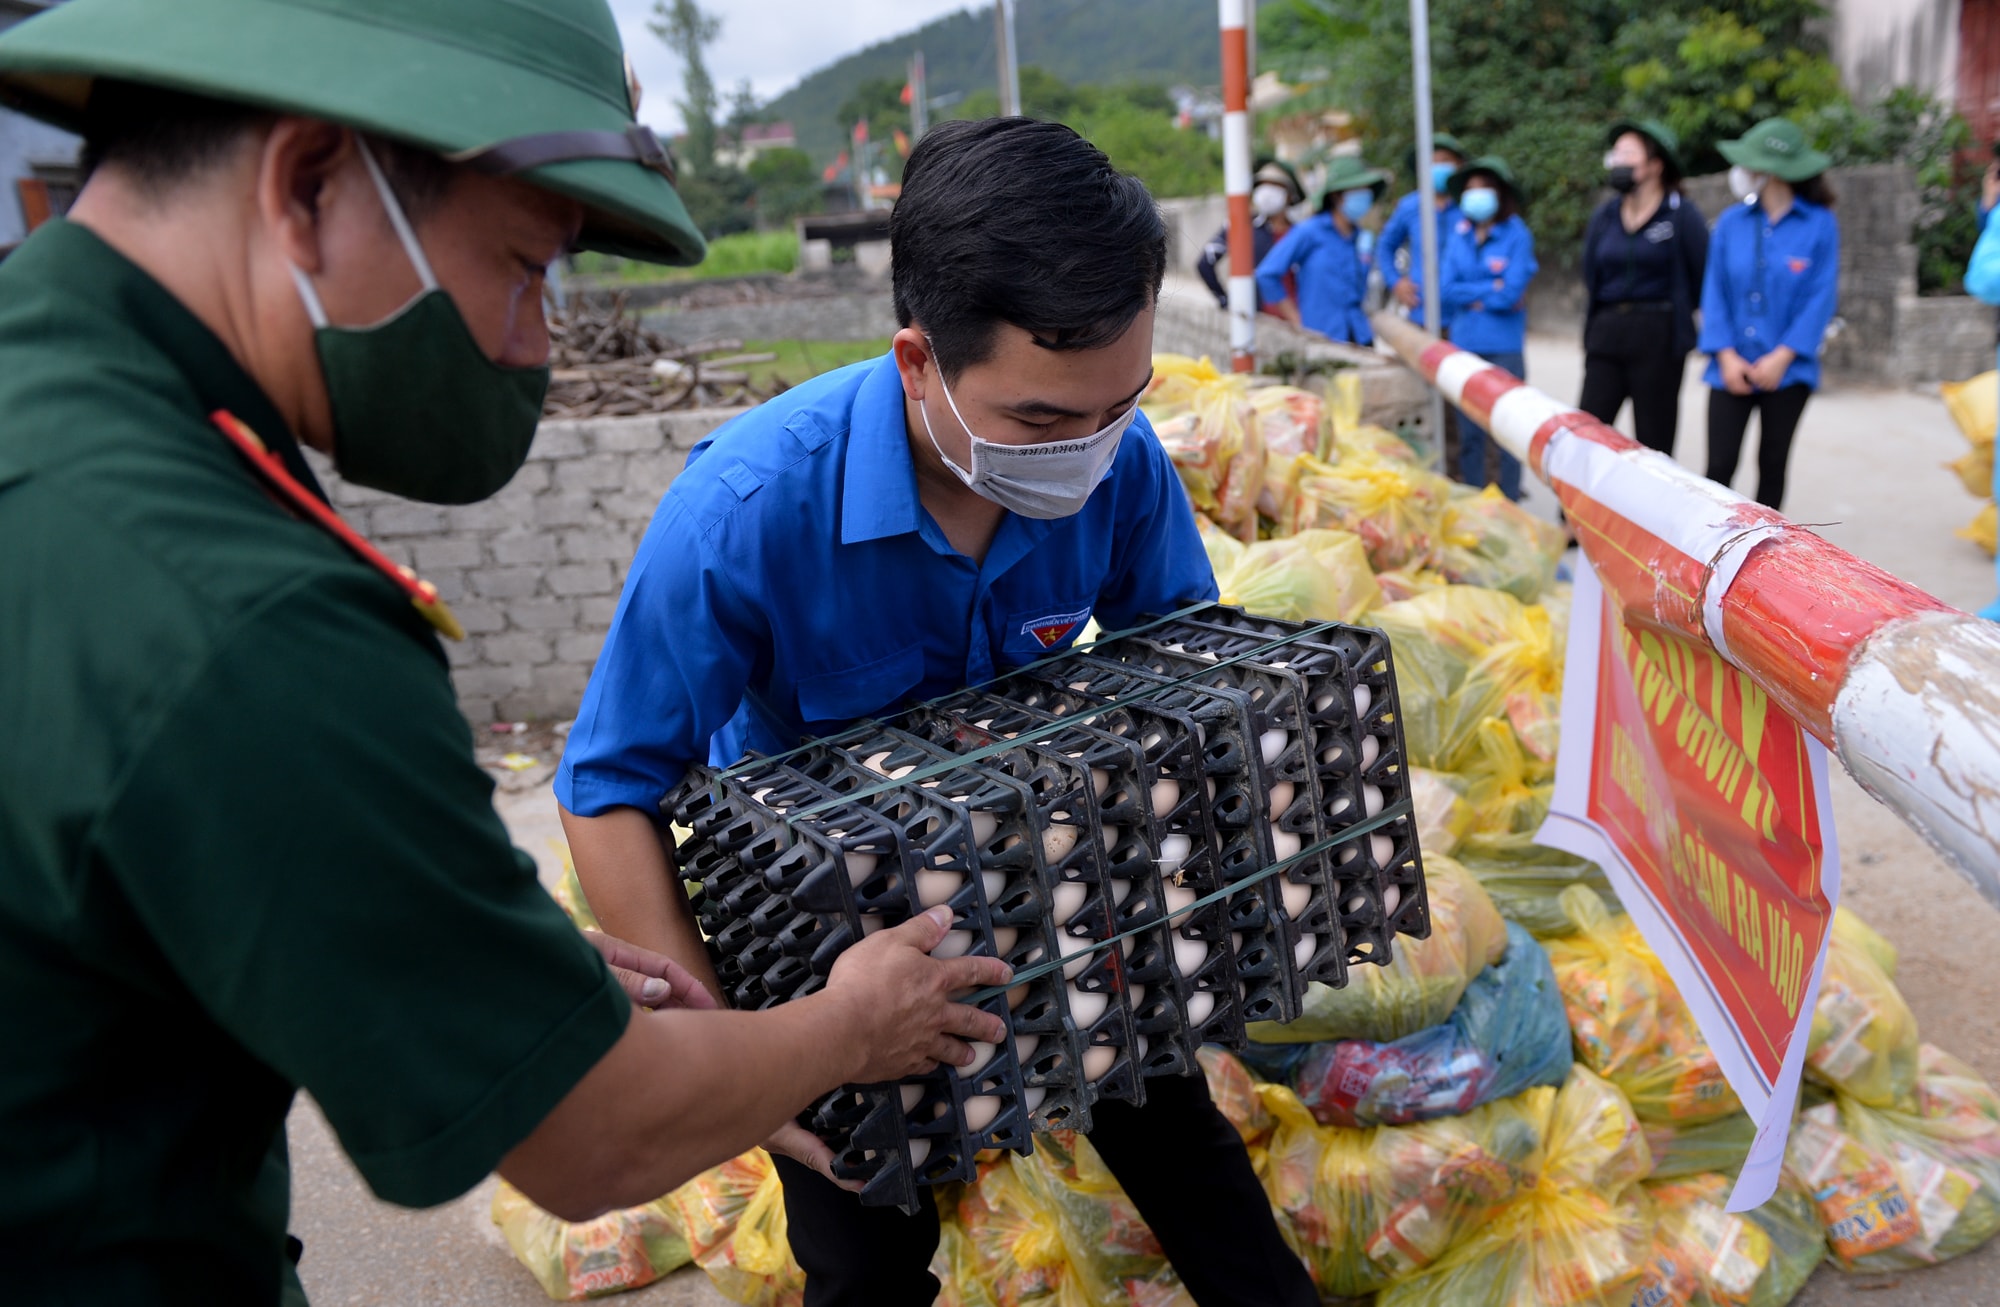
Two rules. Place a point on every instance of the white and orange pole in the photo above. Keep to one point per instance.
(1236, 185)
(1904, 688)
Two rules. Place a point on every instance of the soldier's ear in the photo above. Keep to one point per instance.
(305, 168)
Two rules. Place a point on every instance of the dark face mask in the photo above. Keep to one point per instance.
(419, 410)
(1622, 180)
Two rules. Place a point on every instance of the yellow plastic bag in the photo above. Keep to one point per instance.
(1396, 509)
(1703, 1256)
(1209, 428)
(1371, 444)
(1949, 1090)
(1315, 576)
(1343, 406)
(1001, 1247)
(1236, 1095)
(1983, 530)
(1291, 422)
(1864, 1038)
(1974, 405)
(1424, 979)
(734, 1221)
(1975, 470)
(1492, 541)
(1400, 583)
(574, 1260)
(1684, 1150)
(1629, 1022)
(1580, 1234)
(1443, 816)
(1364, 1206)
(1464, 654)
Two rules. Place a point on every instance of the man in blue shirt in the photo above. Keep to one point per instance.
(1401, 234)
(896, 530)
(1327, 257)
(1488, 263)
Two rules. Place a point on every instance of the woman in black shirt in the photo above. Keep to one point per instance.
(1643, 256)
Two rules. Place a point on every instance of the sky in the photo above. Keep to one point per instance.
(772, 42)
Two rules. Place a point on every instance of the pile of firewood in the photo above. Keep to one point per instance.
(607, 363)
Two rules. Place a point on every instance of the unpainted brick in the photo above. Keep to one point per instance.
(597, 544)
(449, 551)
(597, 610)
(543, 614)
(591, 472)
(582, 579)
(556, 440)
(625, 435)
(487, 681)
(582, 647)
(479, 618)
(523, 546)
(518, 647)
(402, 518)
(504, 583)
(561, 508)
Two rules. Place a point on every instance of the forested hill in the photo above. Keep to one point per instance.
(1101, 42)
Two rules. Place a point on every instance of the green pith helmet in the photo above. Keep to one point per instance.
(1347, 172)
(539, 89)
(1492, 165)
(1439, 141)
(1661, 135)
(1777, 147)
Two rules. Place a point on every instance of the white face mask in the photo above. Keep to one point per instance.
(1744, 184)
(1269, 199)
(1043, 481)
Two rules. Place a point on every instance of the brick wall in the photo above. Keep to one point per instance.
(534, 572)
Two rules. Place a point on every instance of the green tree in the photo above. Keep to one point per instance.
(688, 32)
(1133, 124)
(787, 185)
(879, 100)
(1908, 126)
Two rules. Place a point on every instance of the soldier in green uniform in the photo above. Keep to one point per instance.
(244, 846)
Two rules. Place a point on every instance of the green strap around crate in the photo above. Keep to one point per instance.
(918, 775)
(867, 724)
(1393, 812)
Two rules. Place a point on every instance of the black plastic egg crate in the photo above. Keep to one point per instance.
(1093, 794)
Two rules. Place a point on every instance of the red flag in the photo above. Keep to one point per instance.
(833, 169)
(861, 132)
(902, 141)
(908, 94)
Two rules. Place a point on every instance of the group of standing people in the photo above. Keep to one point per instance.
(1763, 277)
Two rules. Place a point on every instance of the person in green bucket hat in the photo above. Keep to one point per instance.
(1767, 296)
(1327, 256)
(1644, 251)
(244, 844)
(1487, 265)
(1403, 238)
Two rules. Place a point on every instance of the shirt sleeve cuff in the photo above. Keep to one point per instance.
(593, 793)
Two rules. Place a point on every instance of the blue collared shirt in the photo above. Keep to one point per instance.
(1769, 285)
(1982, 274)
(1332, 274)
(1401, 230)
(791, 582)
(1482, 282)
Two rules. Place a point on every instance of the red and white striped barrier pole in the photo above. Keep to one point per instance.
(1904, 688)
(1236, 185)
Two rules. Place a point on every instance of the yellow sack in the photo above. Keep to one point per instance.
(574, 1260)
(734, 1220)
(1443, 816)
(1629, 1022)
(1983, 530)
(1343, 406)
(1424, 979)
(1371, 444)
(1975, 405)
(1001, 1247)
(1580, 1234)
(1236, 1096)
(1291, 422)
(1209, 428)
(1365, 1206)
(1949, 1090)
(1396, 509)
(1975, 470)
(1464, 654)
(1400, 583)
(1224, 551)
(1864, 1037)
(1684, 1150)
(1492, 541)
(1703, 1256)
(1315, 576)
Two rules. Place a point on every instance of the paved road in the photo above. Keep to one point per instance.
(1867, 467)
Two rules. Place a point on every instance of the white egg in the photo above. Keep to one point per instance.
(1383, 848)
(1024, 1048)
(1032, 1098)
(1149, 740)
(1100, 780)
(1272, 745)
(1371, 749)
(1392, 898)
(1284, 844)
(1057, 841)
(1015, 996)
(1303, 951)
(1363, 698)
(1110, 835)
(1138, 997)
(1098, 1060)
(955, 944)
(1297, 898)
(986, 725)
(1355, 904)
(911, 1095)
(1144, 1045)
(1072, 944)
(1166, 795)
(980, 1112)
(1004, 939)
(1179, 899)
(935, 887)
(757, 796)
(982, 1053)
(860, 866)
(919, 1150)
(1236, 940)
(1120, 889)
(994, 883)
(984, 826)
(1371, 799)
(871, 922)
(1174, 850)
(1066, 900)
(1210, 783)
(1086, 1007)
(1281, 798)
(1190, 955)
(1200, 1007)
(1079, 686)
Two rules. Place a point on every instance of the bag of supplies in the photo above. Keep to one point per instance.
(574, 1260)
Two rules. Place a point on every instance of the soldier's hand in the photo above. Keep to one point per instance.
(651, 980)
(1406, 293)
(808, 1149)
(898, 1000)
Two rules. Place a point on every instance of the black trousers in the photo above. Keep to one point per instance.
(1179, 1160)
(1632, 356)
(1729, 417)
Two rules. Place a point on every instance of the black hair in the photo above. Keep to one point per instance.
(1670, 176)
(162, 138)
(1816, 190)
(1023, 222)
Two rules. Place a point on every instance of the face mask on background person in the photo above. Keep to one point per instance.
(1269, 199)
(1045, 481)
(1622, 179)
(419, 410)
(1441, 175)
(1479, 204)
(1744, 184)
(1356, 204)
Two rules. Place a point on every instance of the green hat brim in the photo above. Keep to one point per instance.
(1669, 149)
(376, 77)
(1375, 179)
(1492, 167)
(1793, 169)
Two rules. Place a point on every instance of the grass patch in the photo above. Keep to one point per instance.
(729, 256)
(800, 360)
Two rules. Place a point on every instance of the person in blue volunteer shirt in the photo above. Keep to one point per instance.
(1982, 281)
(1773, 269)
(1274, 192)
(1488, 263)
(1400, 254)
(891, 532)
(1328, 255)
